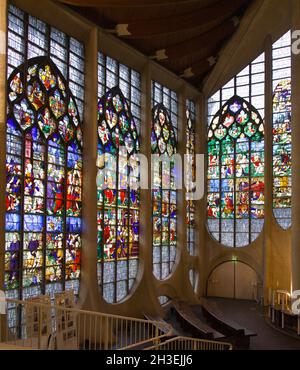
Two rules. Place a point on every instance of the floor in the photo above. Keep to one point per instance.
(250, 315)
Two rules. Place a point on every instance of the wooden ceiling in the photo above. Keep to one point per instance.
(185, 36)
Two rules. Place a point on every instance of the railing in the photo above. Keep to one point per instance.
(279, 306)
(279, 297)
(38, 325)
(190, 344)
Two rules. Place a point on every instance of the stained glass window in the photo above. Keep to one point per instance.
(190, 150)
(229, 221)
(248, 84)
(162, 95)
(118, 178)
(164, 196)
(44, 158)
(282, 136)
(235, 199)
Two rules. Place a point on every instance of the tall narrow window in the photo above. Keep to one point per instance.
(44, 158)
(235, 188)
(235, 196)
(164, 196)
(190, 150)
(282, 135)
(118, 178)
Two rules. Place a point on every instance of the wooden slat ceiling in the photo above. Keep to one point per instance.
(185, 36)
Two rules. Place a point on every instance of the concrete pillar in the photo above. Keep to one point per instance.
(267, 245)
(295, 255)
(182, 253)
(200, 205)
(89, 291)
(3, 30)
(190, 261)
(145, 276)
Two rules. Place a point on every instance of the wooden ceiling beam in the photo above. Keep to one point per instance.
(198, 54)
(188, 47)
(199, 68)
(188, 32)
(179, 64)
(198, 81)
(125, 4)
(160, 26)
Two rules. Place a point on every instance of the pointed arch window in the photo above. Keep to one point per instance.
(235, 189)
(282, 133)
(44, 154)
(249, 84)
(43, 181)
(118, 194)
(118, 178)
(164, 195)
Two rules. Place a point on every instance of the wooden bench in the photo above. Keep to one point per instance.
(195, 324)
(240, 335)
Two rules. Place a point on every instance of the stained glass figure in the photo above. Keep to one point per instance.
(164, 197)
(118, 195)
(235, 198)
(282, 139)
(43, 181)
(282, 153)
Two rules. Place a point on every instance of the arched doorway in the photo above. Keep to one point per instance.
(233, 279)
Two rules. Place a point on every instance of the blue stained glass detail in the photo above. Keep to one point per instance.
(74, 148)
(12, 222)
(73, 159)
(33, 223)
(12, 126)
(73, 225)
(35, 134)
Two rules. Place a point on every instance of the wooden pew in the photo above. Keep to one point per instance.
(240, 335)
(195, 324)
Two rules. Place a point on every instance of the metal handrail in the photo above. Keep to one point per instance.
(41, 325)
(188, 344)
